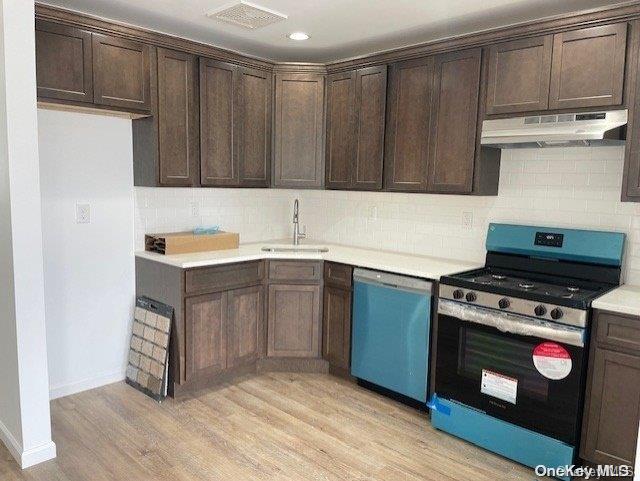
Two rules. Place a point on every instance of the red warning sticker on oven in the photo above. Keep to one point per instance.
(552, 360)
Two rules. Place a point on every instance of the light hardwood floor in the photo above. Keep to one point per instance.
(270, 427)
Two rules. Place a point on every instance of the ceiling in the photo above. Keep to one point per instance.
(339, 28)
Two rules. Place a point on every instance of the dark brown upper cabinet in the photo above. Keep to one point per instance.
(298, 156)
(254, 133)
(235, 125)
(407, 127)
(454, 118)
(588, 67)
(218, 123)
(178, 129)
(356, 103)
(121, 74)
(518, 75)
(166, 144)
(340, 143)
(63, 62)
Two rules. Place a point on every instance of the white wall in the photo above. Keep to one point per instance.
(567, 187)
(25, 424)
(89, 268)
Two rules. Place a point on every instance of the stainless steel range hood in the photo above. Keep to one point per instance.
(581, 129)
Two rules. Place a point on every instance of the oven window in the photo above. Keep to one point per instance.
(480, 350)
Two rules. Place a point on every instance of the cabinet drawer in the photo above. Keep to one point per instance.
(209, 279)
(295, 271)
(338, 275)
(618, 330)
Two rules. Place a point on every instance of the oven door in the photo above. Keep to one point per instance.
(485, 360)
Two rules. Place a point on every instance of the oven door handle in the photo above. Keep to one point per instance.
(513, 323)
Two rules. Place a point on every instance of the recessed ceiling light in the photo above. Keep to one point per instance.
(298, 36)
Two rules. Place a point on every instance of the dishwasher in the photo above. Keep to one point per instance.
(390, 336)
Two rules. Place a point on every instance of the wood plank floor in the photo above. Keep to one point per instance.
(270, 427)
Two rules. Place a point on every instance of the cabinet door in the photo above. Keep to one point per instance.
(121, 75)
(254, 132)
(245, 316)
(407, 128)
(293, 328)
(341, 142)
(612, 409)
(588, 67)
(178, 129)
(454, 117)
(519, 73)
(206, 334)
(336, 337)
(371, 101)
(218, 123)
(63, 62)
(299, 127)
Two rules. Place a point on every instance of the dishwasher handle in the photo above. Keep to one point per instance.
(394, 281)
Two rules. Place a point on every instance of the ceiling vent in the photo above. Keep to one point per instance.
(247, 15)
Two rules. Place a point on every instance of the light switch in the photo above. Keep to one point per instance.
(83, 214)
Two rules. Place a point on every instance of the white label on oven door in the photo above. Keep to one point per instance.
(499, 386)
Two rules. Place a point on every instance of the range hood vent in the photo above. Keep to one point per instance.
(579, 129)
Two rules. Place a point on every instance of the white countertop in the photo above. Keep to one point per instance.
(624, 300)
(407, 264)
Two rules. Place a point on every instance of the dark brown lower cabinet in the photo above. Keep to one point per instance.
(245, 309)
(336, 323)
(293, 328)
(612, 405)
(206, 334)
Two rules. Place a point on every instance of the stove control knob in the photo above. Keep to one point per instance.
(504, 303)
(471, 296)
(540, 310)
(458, 294)
(556, 313)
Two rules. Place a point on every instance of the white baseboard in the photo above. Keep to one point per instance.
(31, 457)
(14, 447)
(62, 390)
(38, 455)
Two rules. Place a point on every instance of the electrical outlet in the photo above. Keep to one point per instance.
(195, 209)
(83, 214)
(373, 212)
(467, 220)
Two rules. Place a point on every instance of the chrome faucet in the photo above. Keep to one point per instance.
(297, 235)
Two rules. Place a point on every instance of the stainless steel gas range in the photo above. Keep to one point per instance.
(511, 342)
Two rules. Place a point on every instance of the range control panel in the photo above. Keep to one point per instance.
(549, 239)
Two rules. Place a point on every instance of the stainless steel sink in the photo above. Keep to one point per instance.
(296, 249)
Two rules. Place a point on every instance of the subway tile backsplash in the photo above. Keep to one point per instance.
(564, 187)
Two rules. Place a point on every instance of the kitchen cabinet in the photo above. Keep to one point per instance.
(218, 123)
(588, 67)
(82, 67)
(519, 75)
(245, 311)
(178, 132)
(121, 75)
(254, 133)
(294, 309)
(454, 120)
(64, 65)
(166, 146)
(336, 330)
(298, 155)
(612, 402)
(407, 127)
(206, 334)
(235, 125)
(356, 103)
